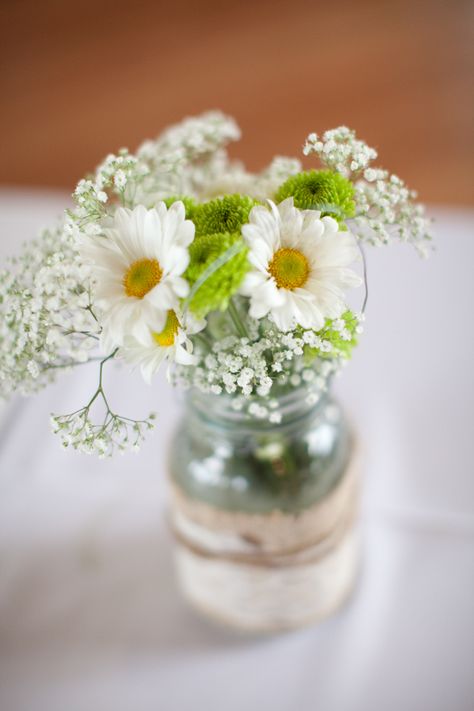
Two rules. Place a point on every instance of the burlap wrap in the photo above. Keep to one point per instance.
(268, 571)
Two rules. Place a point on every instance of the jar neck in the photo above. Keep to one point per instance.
(219, 411)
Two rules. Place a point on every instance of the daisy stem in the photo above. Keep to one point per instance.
(237, 321)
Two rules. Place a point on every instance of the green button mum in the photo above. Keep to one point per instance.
(217, 290)
(222, 215)
(320, 190)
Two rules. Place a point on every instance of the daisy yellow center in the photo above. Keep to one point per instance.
(289, 267)
(167, 336)
(141, 277)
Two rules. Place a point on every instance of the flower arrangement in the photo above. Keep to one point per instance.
(177, 254)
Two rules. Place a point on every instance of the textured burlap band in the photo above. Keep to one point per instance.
(268, 571)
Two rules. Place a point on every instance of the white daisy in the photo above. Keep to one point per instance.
(172, 344)
(137, 267)
(300, 266)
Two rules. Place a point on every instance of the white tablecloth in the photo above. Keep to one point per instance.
(90, 616)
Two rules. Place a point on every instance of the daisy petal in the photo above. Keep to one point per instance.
(137, 266)
(327, 253)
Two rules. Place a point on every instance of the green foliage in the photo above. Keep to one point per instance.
(220, 286)
(322, 190)
(342, 340)
(222, 215)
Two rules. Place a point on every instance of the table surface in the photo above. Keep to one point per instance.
(90, 615)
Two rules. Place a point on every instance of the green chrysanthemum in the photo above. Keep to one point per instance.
(341, 347)
(225, 214)
(220, 286)
(188, 202)
(320, 190)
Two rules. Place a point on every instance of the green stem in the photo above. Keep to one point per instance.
(237, 321)
(203, 340)
(71, 364)
(90, 310)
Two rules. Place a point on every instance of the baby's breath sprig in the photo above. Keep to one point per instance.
(191, 139)
(186, 157)
(115, 432)
(46, 314)
(252, 367)
(385, 207)
(116, 181)
(386, 210)
(177, 253)
(336, 339)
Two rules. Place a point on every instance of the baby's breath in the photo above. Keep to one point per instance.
(187, 156)
(50, 318)
(47, 321)
(252, 368)
(385, 207)
(111, 433)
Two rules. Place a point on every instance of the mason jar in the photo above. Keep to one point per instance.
(264, 514)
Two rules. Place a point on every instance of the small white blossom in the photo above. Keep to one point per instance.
(55, 307)
(46, 320)
(385, 207)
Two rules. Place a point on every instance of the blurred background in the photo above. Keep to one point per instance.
(90, 614)
(81, 79)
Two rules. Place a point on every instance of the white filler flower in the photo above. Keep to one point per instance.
(137, 268)
(170, 344)
(300, 266)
